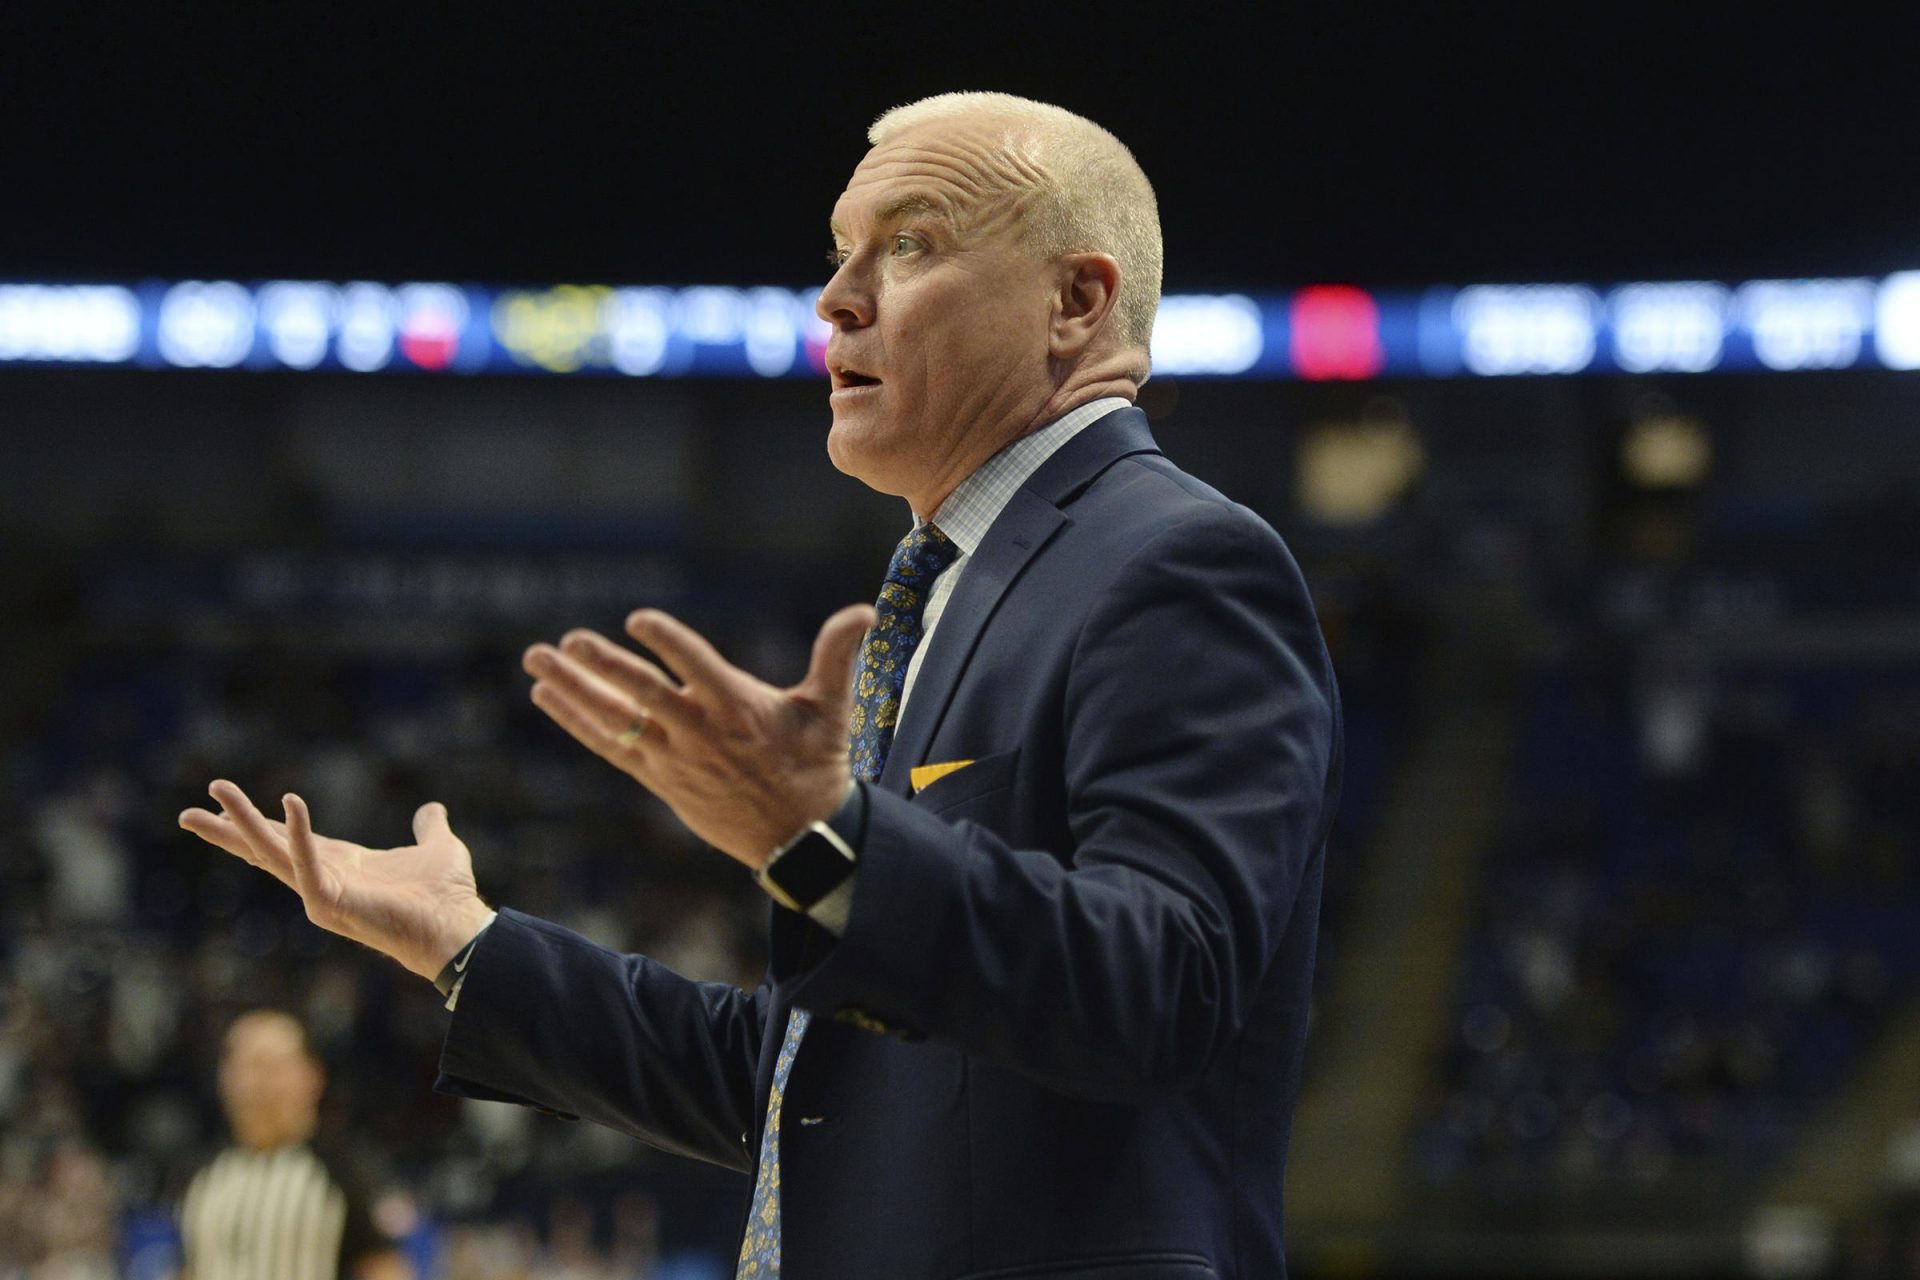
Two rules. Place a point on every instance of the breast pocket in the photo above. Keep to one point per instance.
(983, 777)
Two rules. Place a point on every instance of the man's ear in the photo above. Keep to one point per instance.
(1089, 284)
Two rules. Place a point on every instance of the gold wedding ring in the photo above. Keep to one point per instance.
(633, 732)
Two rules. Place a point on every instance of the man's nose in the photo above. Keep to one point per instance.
(846, 302)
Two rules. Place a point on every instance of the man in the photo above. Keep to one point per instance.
(268, 1207)
(1044, 937)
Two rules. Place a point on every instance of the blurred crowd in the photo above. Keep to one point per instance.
(126, 946)
(1701, 909)
(1698, 911)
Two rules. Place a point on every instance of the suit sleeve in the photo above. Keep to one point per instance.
(1200, 733)
(548, 1019)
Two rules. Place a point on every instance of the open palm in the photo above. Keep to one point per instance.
(417, 903)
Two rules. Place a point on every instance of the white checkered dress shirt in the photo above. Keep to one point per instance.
(977, 502)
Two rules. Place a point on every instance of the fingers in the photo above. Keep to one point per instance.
(588, 730)
(685, 651)
(266, 845)
(830, 676)
(305, 858)
(220, 832)
(626, 670)
(609, 708)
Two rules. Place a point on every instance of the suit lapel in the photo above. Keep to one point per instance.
(1028, 523)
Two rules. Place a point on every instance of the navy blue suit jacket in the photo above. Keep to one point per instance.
(1061, 1033)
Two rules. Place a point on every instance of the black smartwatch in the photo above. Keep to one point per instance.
(807, 868)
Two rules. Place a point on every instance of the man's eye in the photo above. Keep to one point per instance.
(904, 244)
(836, 258)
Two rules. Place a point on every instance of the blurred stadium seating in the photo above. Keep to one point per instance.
(1631, 787)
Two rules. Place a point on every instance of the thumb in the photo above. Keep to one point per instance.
(430, 822)
(830, 678)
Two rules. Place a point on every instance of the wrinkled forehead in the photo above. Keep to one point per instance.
(960, 171)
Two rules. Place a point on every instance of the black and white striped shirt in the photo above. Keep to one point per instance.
(273, 1215)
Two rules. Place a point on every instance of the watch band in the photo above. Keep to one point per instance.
(807, 868)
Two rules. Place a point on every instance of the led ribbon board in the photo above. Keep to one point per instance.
(1325, 332)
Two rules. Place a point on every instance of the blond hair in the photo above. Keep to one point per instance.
(1093, 195)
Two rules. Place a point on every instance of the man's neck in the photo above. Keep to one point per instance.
(1058, 406)
(970, 507)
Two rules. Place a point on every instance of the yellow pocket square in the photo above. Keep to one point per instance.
(926, 775)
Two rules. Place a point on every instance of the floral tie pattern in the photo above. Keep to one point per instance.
(760, 1250)
(879, 682)
(881, 677)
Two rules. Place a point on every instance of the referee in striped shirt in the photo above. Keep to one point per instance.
(268, 1207)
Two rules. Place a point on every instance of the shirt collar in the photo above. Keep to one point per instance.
(977, 501)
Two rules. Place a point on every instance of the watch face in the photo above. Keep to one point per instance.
(811, 869)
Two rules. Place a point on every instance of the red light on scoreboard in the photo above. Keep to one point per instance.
(432, 317)
(1334, 332)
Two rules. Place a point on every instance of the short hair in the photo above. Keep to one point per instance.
(1093, 193)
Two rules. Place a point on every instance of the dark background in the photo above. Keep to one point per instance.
(1375, 143)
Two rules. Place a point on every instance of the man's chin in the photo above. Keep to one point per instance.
(857, 446)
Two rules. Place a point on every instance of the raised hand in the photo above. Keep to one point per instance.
(416, 903)
(744, 764)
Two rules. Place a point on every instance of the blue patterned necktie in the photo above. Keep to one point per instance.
(881, 678)
(879, 682)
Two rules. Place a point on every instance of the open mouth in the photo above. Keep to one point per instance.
(844, 379)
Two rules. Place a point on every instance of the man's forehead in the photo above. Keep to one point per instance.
(947, 168)
(883, 208)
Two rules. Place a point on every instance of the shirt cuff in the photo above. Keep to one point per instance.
(460, 962)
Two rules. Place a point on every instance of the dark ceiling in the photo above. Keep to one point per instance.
(1384, 144)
